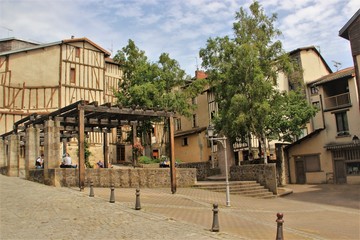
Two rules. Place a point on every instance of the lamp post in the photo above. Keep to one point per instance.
(222, 140)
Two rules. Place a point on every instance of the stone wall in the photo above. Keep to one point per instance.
(203, 169)
(126, 178)
(265, 174)
(4, 170)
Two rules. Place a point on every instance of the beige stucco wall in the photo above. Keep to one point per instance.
(36, 68)
(312, 65)
(197, 149)
(312, 146)
(353, 179)
(353, 116)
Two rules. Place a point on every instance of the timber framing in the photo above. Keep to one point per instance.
(97, 118)
(80, 118)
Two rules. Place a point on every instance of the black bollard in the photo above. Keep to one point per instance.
(279, 231)
(91, 189)
(215, 225)
(112, 193)
(137, 202)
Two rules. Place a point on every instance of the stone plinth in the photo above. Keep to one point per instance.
(126, 178)
(13, 156)
(265, 174)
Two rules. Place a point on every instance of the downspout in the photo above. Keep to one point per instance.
(288, 164)
(322, 111)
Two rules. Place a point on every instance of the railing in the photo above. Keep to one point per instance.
(336, 101)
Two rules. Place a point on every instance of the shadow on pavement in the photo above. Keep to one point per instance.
(341, 195)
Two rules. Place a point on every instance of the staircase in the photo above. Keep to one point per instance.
(244, 188)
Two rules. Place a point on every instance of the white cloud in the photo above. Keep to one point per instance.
(180, 28)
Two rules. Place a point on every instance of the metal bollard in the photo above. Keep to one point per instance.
(215, 225)
(91, 189)
(137, 202)
(112, 193)
(279, 231)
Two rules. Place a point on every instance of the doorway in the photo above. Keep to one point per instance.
(120, 153)
(300, 172)
(340, 172)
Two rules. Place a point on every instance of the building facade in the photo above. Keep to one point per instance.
(191, 144)
(351, 32)
(331, 153)
(41, 78)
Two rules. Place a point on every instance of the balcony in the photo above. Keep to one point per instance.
(337, 101)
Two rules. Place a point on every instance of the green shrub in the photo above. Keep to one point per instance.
(147, 160)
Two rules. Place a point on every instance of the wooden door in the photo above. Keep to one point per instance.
(120, 153)
(340, 173)
(300, 172)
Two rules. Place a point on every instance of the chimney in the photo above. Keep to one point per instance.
(200, 74)
(72, 37)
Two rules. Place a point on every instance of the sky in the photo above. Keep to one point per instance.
(178, 27)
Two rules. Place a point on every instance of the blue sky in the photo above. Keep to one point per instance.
(177, 27)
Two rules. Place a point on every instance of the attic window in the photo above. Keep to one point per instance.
(72, 75)
(77, 52)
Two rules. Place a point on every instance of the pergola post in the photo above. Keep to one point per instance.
(81, 147)
(30, 149)
(172, 155)
(134, 137)
(106, 150)
(3, 162)
(13, 156)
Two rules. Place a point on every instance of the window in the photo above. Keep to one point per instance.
(312, 163)
(316, 105)
(72, 75)
(177, 124)
(194, 101)
(341, 124)
(184, 142)
(212, 115)
(353, 168)
(77, 52)
(194, 121)
(314, 90)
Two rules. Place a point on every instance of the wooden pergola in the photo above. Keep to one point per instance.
(82, 117)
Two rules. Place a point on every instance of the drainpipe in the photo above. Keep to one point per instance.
(322, 111)
(288, 164)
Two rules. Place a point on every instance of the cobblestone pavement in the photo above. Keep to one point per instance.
(33, 211)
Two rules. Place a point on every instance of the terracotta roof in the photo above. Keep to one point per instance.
(189, 132)
(347, 72)
(344, 30)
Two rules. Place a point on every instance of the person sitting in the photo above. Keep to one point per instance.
(39, 163)
(66, 162)
(100, 164)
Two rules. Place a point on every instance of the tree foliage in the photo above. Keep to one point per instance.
(157, 85)
(243, 71)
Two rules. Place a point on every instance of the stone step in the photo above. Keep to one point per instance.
(245, 188)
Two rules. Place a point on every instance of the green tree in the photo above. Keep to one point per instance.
(155, 85)
(243, 71)
(161, 84)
